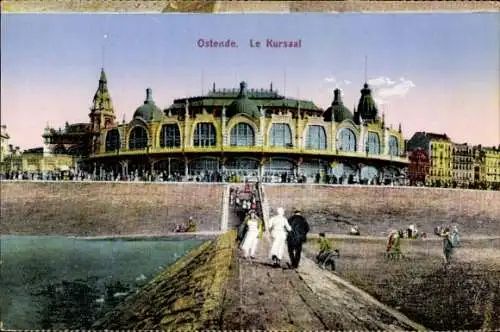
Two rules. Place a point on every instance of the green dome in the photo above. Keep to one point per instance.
(337, 111)
(149, 111)
(243, 105)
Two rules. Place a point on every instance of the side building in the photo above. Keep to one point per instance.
(439, 151)
(4, 143)
(246, 132)
(418, 167)
(462, 165)
(492, 167)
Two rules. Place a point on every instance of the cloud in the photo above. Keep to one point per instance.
(334, 81)
(385, 89)
(379, 81)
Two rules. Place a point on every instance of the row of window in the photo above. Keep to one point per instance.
(243, 134)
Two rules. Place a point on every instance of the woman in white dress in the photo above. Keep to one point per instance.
(279, 228)
(253, 235)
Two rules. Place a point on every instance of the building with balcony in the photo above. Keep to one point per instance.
(71, 140)
(439, 150)
(462, 165)
(254, 133)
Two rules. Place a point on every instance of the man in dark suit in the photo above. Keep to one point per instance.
(296, 237)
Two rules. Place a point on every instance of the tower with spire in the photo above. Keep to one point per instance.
(367, 109)
(102, 114)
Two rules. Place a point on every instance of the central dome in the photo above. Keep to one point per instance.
(337, 112)
(243, 105)
(148, 111)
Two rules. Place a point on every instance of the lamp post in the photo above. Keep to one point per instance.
(117, 156)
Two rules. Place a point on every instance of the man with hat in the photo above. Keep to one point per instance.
(296, 237)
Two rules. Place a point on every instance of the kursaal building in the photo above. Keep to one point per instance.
(258, 134)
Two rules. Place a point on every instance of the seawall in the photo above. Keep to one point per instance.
(187, 296)
(375, 209)
(107, 208)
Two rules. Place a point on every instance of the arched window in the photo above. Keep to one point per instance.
(170, 136)
(393, 146)
(112, 140)
(204, 135)
(242, 134)
(138, 138)
(316, 138)
(372, 143)
(281, 135)
(347, 140)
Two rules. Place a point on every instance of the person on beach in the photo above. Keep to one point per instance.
(326, 255)
(253, 235)
(191, 226)
(394, 244)
(450, 241)
(296, 237)
(279, 228)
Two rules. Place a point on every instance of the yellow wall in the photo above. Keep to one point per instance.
(262, 129)
(492, 166)
(441, 162)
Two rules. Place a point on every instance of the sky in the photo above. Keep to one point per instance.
(430, 72)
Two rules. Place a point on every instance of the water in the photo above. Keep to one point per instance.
(49, 282)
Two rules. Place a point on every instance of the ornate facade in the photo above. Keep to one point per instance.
(73, 140)
(253, 133)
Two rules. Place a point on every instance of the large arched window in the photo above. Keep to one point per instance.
(316, 138)
(372, 143)
(204, 135)
(347, 140)
(170, 136)
(281, 135)
(138, 138)
(393, 146)
(242, 134)
(112, 140)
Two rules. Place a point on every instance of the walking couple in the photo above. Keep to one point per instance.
(291, 232)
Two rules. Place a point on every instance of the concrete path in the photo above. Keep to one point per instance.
(309, 298)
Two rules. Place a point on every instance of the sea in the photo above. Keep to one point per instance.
(53, 282)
